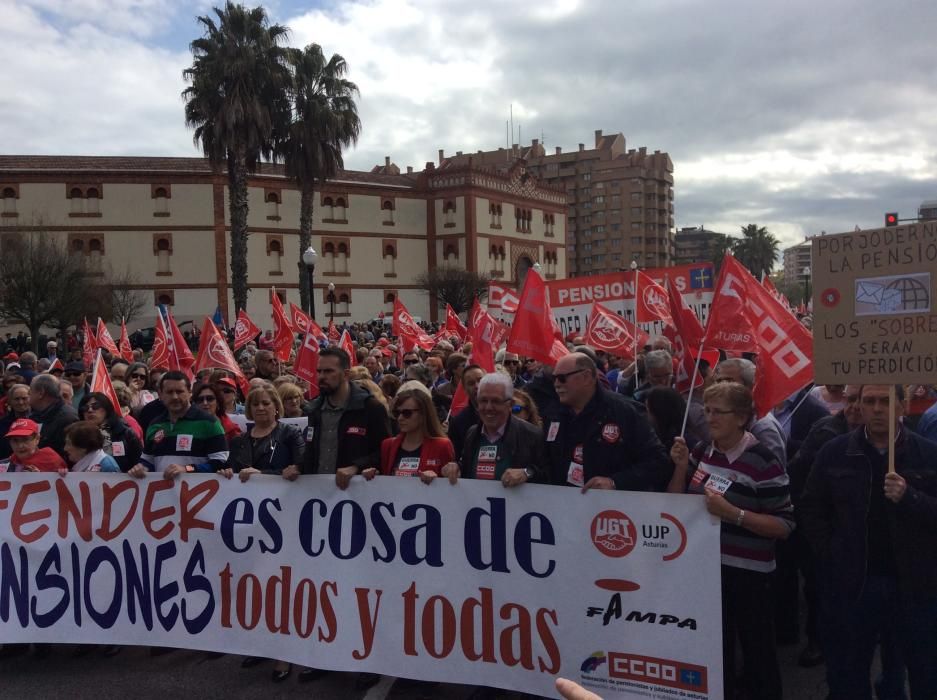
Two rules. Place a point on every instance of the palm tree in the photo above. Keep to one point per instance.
(757, 250)
(324, 120)
(237, 96)
(719, 248)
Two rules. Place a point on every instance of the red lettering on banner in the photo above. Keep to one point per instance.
(470, 634)
(248, 581)
(278, 587)
(517, 635)
(20, 518)
(328, 612)
(111, 493)
(225, 576)
(67, 506)
(548, 641)
(193, 496)
(4, 486)
(304, 599)
(368, 621)
(429, 627)
(150, 516)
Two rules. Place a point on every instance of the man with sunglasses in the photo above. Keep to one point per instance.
(595, 438)
(77, 376)
(512, 365)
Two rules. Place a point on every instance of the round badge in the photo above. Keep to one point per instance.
(830, 298)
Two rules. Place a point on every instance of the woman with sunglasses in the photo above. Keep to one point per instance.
(421, 448)
(137, 377)
(268, 447)
(525, 408)
(119, 440)
(747, 489)
(229, 395)
(210, 400)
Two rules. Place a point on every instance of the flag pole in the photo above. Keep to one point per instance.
(689, 398)
(634, 269)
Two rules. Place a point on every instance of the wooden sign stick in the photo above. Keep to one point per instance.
(891, 428)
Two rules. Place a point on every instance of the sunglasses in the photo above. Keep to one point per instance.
(73, 374)
(94, 407)
(411, 362)
(561, 378)
(138, 376)
(517, 408)
(227, 391)
(406, 413)
(205, 399)
(511, 362)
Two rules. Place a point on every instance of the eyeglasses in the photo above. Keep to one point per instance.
(406, 413)
(511, 362)
(517, 408)
(561, 378)
(227, 391)
(138, 376)
(205, 399)
(73, 374)
(94, 407)
(717, 412)
(411, 362)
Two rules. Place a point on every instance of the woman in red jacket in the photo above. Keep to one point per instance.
(422, 448)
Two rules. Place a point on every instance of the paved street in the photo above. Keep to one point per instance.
(183, 674)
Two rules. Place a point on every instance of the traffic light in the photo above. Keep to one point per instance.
(891, 218)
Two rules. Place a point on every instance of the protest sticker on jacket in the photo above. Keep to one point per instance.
(875, 318)
(469, 583)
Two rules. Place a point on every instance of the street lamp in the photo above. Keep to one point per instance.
(538, 269)
(332, 302)
(806, 273)
(310, 257)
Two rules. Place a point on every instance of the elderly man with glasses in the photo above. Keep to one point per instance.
(595, 438)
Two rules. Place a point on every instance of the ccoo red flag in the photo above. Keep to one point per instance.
(282, 330)
(159, 355)
(214, 353)
(123, 344)
(334, 335)
(244, 330)
(610, 332)
(454, 324)
(534, 333)
(307, 364)
(105, 341)
(346, 344)
(101, 381)
(405, 328)
(180, 357)
(483, 332)
(89, 346)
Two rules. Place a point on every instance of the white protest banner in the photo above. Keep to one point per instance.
(571, 299)
(471, 583)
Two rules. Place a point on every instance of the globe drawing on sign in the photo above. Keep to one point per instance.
(914, 295)
(894, 294)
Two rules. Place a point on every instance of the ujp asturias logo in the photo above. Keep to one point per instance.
(613, 533)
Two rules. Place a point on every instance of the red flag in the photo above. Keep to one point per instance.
(159, 355)
(783, 345)
(307, 363)
(180, 357)
(244, 330)
(90, 345)
(299, 319)
(105, 341)
(214, 353)
(460, 401)
(334, 335)
(686, 335)
(405, 328)
(101, 381)
(56, 364)
(535, 333)
(126, 351)
(482, 330)
(651, 300)
(454, 324)
(346, 344)
(610, 332)
(282, 330)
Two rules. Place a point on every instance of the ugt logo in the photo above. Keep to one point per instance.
(613, 533)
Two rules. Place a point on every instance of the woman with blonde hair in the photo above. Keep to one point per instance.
(292, 397)
(422, 448)
(525, 408)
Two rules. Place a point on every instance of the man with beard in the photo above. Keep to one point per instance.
(346, 428)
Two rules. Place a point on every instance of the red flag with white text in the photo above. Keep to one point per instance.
(180, 357)
(105, 341)
(534, 333)
(101, 381)
(282, 330)
(482, 331)
(405, 328)
(454, 324)
(244, 330)
(214, 353)
(334, 335)
(346, 344)
(613, 334)
(123, 345)
(159, 355)
(306, 364)
(89, 346)
(652, 302)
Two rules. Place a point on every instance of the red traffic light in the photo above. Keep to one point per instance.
(891, 218)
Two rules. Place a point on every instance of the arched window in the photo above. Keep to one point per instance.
(451, 253)
(387, 207)
(163, 251)
(161, 201)
(78, 200)
(390, 260)
(448, 211)
(92, 204)
(341, 262)
(9, 200)
(328, 206)
(328, 257)
(340, 207)
(165, 299)
(95, 251)
(344, 302)
(273, 205)
(78, 246)
(275, 252)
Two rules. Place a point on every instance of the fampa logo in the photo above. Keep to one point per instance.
(613, 533)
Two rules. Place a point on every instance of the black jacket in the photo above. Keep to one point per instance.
(361, 446)
(459, 426)
(54, 420)
(522, 444)
(130, 444)
(270, 454)
(798, 468)
(803, 419)
(617, 443)
(834, 511)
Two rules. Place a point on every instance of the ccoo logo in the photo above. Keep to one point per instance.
(613, 533)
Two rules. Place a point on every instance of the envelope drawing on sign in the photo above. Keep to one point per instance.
(869, 293)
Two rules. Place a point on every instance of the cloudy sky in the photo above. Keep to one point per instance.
(800, 116)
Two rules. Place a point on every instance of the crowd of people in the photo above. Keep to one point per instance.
(808, 508)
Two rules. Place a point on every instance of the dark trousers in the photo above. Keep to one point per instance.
(851, 631)
(748, 615)
(794, 559)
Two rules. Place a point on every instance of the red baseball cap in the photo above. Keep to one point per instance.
(23, 427)
(228, 381)
(11, 356)
(383, 341)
